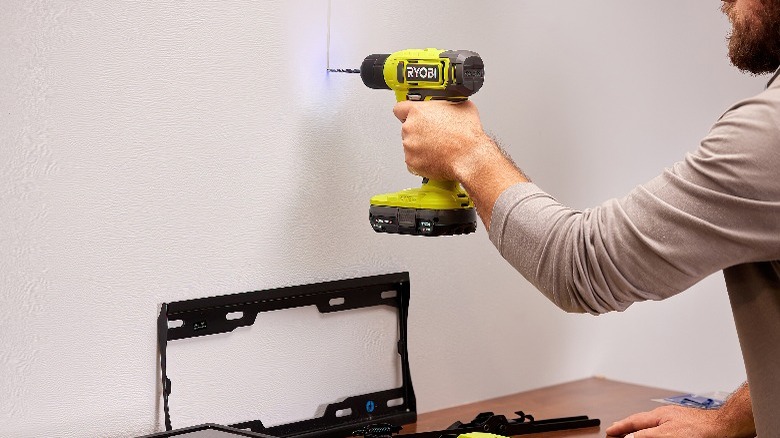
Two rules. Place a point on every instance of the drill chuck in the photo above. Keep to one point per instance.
(372, 72)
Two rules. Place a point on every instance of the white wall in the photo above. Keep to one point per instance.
(159, 151)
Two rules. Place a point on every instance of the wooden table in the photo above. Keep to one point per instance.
(595, 397)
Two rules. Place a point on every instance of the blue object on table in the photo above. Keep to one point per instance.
(695, 401)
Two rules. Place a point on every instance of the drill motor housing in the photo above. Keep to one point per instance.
(425, 74)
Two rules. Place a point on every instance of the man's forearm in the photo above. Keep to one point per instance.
(486, 175)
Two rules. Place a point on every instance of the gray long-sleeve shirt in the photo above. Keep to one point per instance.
(718, 209)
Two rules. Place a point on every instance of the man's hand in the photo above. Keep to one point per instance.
(670, 421)
(733, 419)
(441, 139)
(445, 141)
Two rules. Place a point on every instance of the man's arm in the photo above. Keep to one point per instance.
(716, 208)
(539, 237)
(733, 419)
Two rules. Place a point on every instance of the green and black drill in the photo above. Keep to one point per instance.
(437, 208)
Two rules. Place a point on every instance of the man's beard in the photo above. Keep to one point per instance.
(754, 42)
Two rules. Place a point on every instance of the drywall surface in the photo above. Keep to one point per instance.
(160, 151)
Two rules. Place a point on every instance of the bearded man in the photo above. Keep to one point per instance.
(718, 209)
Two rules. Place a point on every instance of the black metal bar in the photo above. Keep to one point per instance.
(499, 425)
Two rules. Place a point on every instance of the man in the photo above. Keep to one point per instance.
(718, 209)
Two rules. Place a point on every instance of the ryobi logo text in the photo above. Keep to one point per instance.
(422, 72)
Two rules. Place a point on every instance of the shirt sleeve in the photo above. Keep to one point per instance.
(719, 207)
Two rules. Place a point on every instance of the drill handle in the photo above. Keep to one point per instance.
(450, 186)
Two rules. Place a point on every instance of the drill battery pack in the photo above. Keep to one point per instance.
(422, 222)
(437, 208)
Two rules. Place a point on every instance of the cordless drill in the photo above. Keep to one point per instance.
(437, 208)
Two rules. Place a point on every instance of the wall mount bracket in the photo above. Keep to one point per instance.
(208, 316)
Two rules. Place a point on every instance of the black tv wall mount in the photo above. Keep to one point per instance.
(209, 316)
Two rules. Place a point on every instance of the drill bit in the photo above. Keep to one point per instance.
(344, 70)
